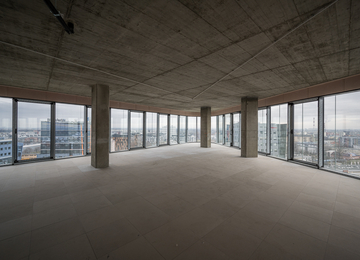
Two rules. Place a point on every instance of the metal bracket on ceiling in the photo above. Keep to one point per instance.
(69, 27)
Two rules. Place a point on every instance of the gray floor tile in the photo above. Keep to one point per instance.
(54, 234)
(296, 243)
(304, 224)
(15, 247)
(15, 227)
(345, 239)
(137, 249)
(112, 236)
(76, 248)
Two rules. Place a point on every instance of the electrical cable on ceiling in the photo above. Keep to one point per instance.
(269, 46)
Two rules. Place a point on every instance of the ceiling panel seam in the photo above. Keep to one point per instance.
(266, 48)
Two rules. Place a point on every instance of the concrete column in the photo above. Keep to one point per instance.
(205, 127)
(100, 124)
(249, 127)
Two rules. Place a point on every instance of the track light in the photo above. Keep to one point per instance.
(69, 27)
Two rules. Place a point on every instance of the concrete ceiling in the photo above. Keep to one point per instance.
(178, 48)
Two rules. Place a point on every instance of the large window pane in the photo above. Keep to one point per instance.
(6, 131)
(228, 136)
(69, 130)
(119, 130)
(279, 131)
(306, 132)
(236, 129)
(342, 133)
(136, 129)
(33, 130)
(173, 129)
(221, 129)
(89, 129)
(182, 130)
(163, 129)
(214, 129)
(198, 129)
(151, 129)
(191, 135)
(262, 131)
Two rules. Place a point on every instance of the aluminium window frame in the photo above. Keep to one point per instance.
(297, 102)
(15, 113)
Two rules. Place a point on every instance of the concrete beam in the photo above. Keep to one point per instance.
(100, 124)
(249, 127)
(205, 127)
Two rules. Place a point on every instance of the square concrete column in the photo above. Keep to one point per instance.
(249, 127)
(205, 127)
(100, 126)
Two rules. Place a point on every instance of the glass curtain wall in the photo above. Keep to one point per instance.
(6, 131)
(191, 135)
(262, 130)
(119, 130)
(136, 124)
(236, 129)
(182, 129)
(69, 130)
(151, 129)
(221, 129)
(342, 133)
(228, 137)
(279, 131)
(163, 129)
(214, 129)
(198, 129)
(306, 132)
(89, 129)
(173, 129)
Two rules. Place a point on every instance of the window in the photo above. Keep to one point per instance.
(236, 129)
(228, 137)
(214, 129)
(182, 129)
(191, 133)
(342, 133)
(69, 130)
(163, 129)
(5, 126)
(279, 131)
(198, 129)
(173, 129)
(119, 130)
(262, 130)
(221, 129)
(33, 130)
(151, 129)
(89, 129)
(136, 129)
(306, 132)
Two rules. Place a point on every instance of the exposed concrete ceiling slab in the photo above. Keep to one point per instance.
(164, 53)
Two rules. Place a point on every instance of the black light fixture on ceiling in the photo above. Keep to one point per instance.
(69, 27)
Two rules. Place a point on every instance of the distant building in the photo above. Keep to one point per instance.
(6, 151)
(69, 138)
(119, 142)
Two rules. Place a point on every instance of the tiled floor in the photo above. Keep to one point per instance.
(178, 202)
